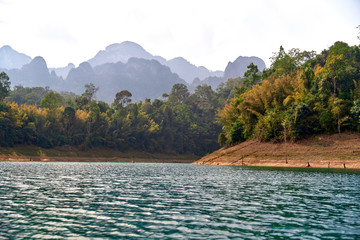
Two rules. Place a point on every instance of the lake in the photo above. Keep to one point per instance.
(55, 200)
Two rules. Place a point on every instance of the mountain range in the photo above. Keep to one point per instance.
(233, 70)
(120, 66)
(9, 58)
(126, 50)
(143, 78)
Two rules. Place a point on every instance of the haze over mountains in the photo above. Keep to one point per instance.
(233, 70)
(9, 58)
(143, 78)
(120, 66)
(126, 50)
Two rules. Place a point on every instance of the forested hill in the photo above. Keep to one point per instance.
(302, 93)
(183, 123)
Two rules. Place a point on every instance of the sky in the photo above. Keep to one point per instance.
(206, 33)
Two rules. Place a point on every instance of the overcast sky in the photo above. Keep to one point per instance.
(208, 33)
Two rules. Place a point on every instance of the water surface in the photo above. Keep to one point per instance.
(174, 201)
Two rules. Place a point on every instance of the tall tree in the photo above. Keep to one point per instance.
(52, 100)
(252, 75)
(179, 94)
(122, 98)
(90, 91)
(4, 85)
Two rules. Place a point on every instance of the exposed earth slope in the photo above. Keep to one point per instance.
(323, 151)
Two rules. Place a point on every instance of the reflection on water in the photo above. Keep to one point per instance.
(174, 201)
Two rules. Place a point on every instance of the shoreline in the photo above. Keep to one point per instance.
(341, 151)
(249, 162)
(89, 159)
(337, 151)
(246, 162)
(66, 153)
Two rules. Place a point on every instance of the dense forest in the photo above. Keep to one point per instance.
(302, 93)
(179, 123)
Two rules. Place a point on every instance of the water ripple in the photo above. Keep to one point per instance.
(174, 201)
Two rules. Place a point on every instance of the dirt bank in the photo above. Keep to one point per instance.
(322, 151)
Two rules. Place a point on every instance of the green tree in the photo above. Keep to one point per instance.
(122, 98)
(81, 102)
(10, 124)
(4, 85)
(90, 91)
(338, 110)
(69, 116)
(252, 75)
(222, 139)
(52, 100)
(285, 63)
(179, 94)
(340, 70)
(205, 98)
(27, 95)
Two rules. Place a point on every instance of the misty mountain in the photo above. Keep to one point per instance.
(78, 77)
(233, 70)
(126, 50)
(239, 66)
(143, 78)
(213, 82)
(63, 71)
(120, 52)
(34, 74)
(11, 59)
(188, 71)
(146, 77)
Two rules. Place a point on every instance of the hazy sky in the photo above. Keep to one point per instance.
(208, 33)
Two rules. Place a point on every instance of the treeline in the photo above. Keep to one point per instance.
(180, 123)
(302, 93)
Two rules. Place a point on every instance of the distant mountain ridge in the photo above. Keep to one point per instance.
(189, 71)
(126, 50)
(143, 78)
(115, 69)
(186, 70)
(239, 66)
(233, 70)
(63, 71)
(119, 52)
(11, 59)
(34, 74)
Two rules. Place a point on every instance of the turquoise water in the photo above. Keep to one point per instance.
(174, 201)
